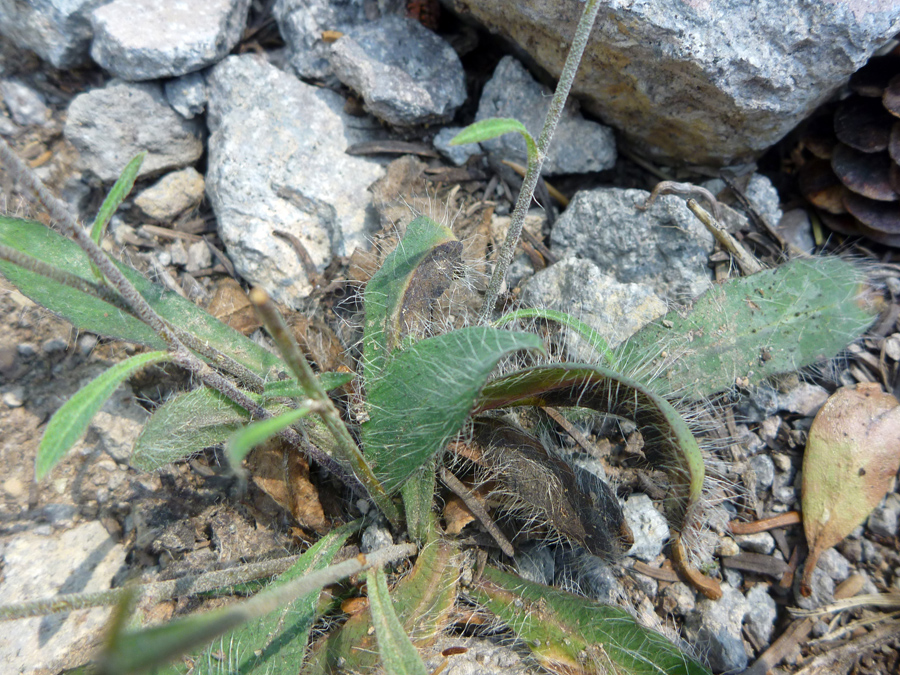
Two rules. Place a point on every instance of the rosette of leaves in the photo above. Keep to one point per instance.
(419, 391)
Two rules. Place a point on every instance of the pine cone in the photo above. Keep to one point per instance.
(854, 178)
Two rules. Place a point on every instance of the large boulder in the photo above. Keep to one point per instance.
(696, 81)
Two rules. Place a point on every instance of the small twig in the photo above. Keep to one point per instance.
(643, 163)
(798, 631)
(891, 600)
(153, 592)
(571, 429)
(706, 585)
(766, 524)
(477, 510)
(757, 217)
(561, 199)
(748, 263)
(669, 187)
(309, 267)
(655, 572)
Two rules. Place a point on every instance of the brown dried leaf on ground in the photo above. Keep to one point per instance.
(456, 515)
(851, 459)
(283, 474)
(231, 305)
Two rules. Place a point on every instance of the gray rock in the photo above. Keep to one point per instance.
(682, 596)
(26, 350)
(764, 469)
(187, 94)
(702, 82)
(822, 590)
(375, 537)
(804, 399)
(649, 527)
(761, 542)
(149, 39)
(761, 194)
(25, 105)
(479, 657)
(884, 519)
(761, 613)
(405, 74)
(458, 154)
(172, 195)
(578, 287)
(302, 23)
(59, 515)
(116, 427)
(796, 228)
(14, 397)
(86, 343)
(664, 247)
(714, 628)
(82, 559)
(54, 346)
(834, 565)
(536, 562)
(593, 576)
(7, 126)
(277, 162)
(199, 257)
(578, 146)
(59, 31)
(109, 126)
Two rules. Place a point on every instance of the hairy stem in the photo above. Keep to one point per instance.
(157, 592)
(573, 60)
(298, 364)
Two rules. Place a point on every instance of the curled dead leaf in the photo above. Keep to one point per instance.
(230, 305)
(851, 459)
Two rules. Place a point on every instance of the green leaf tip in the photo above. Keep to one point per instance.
(71, 421)
(398, 654)
(485, 130)
(242, 442)
(570, 634)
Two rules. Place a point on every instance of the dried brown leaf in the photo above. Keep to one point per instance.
(231, 305)
(284, 476)
(851, 459)
(456, 515)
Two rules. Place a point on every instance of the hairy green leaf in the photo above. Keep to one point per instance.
(71, 421)
(116, 195)
(423, 601)
(418, 500)
(485, 130)
(398, 655)
(425, 394)
(593, 338)
(570, 634)
(276, 644)
(88, 313)
(601, 389)
(141, 650)
(243, 441)
(184, 426)
(775, 321)
(290, 388)
(401, 293)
